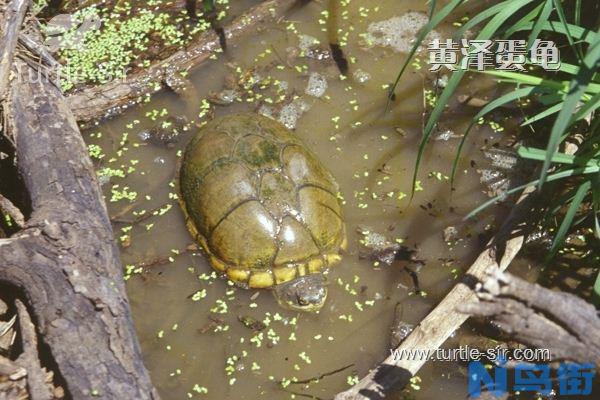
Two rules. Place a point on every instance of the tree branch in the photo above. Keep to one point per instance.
(38, 390)
(561, 322)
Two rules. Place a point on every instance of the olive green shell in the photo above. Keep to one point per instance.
(261, 205)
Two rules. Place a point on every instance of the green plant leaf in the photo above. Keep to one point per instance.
(531, 153)
(575, 31)
(552, 177)
(589, 107)
(563, 20)
(578, 87)
(566, 223)
(432, 8)
(547, 112)
(597, 285)
(596, 204)
(511, 7)
(539, 23)
(480, 17)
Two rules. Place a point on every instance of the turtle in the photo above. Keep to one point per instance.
(263, 208)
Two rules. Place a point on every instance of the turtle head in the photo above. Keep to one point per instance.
(306, 293)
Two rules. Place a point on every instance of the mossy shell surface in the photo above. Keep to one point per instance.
(259, 202)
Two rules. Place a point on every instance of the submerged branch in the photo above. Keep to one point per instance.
(323, 375)
(444, 319)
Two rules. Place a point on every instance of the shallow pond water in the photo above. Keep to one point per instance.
(188, 319)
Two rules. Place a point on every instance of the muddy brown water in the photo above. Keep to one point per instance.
(193, 352)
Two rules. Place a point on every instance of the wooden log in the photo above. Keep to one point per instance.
(65, 260)
(13, 18)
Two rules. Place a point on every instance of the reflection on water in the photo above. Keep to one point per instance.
(192, 325)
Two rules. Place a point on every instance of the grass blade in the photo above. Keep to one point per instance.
(596, 204)
(589, 107)
(576, 32)
(582, 191)
(561, 16)
(552, 177)
(531, 153)
(547, 112)
(578, 87)
(539, 22)
(479, 18)
(487, 32)
(432, 8)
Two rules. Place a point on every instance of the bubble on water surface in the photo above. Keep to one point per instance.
(144, 135)
(306, 42)
(290, 113)
(399, 32)
(317, 85)
(361, 76)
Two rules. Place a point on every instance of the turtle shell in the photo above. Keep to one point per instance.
(259, 202)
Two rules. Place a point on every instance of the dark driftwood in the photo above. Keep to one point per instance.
(13, 18)
(560, 322)
(111, 98)
(65, 261)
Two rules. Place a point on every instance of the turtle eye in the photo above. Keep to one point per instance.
(301, 301)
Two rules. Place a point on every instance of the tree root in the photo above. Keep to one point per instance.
(561, 322)
(36, 376)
